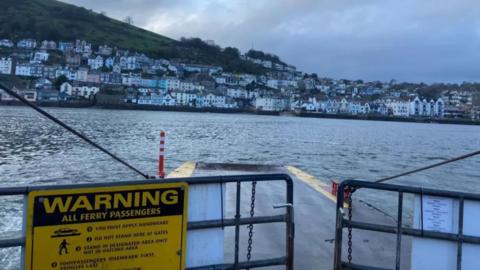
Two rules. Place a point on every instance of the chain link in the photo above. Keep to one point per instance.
(350, 193)
(250, 226)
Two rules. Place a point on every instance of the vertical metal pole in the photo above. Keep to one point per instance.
(337, 260)
(399, 230)
(290, 226)
(161, 158)
(460, 233)
(237, 226)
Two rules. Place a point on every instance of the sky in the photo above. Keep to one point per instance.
(407, 40)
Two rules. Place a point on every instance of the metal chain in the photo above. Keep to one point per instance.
(350, 193)
(250, 226)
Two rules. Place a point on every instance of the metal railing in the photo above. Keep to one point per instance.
(400, 230)
(237, 221)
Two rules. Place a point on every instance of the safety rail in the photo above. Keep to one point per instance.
(287, 218)
(399, 229)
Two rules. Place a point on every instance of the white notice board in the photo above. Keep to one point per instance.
(441, 215)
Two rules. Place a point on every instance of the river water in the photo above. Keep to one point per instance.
(35, 151)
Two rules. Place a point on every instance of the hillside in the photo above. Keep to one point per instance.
(54, 20)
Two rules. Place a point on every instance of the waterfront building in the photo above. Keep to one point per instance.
(399, 108)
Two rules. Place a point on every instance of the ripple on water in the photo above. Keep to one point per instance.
(34, 151)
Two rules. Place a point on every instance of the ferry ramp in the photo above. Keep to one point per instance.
(315, 217)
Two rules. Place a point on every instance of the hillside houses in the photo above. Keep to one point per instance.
(90, 69)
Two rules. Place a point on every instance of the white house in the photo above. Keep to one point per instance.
(27, 44)
(272, 83)
(169, 100)
(96, 63)
(109, 62)
(212, 100)
(6, 43)
(5, 65)
(23, 70)
(236, 92)
(82, 74)
(399, 108)
(185, 98)
(270, 104)
(427, 108)
(86, 91)
(39, 57)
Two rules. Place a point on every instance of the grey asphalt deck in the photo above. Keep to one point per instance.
(314, 222)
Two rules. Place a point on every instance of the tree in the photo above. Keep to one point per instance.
(232, 52)
(128, 20)
(59, 81)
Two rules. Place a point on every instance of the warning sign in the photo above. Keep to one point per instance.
(141, 227)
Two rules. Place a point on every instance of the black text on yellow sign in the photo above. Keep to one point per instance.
(141, 227)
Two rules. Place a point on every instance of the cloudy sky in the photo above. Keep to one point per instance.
(409, 40)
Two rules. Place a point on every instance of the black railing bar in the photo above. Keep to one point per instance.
(353, 266)
(217, 223)
(337, 256)
(399, 230)
(409, 189)
(195, 225)
(243, 265)
(460, 234)
(12, 242)
(23, 190)
(412, 232)
(237, 225)
(290, 226)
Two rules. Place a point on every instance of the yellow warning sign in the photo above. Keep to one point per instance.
(141, 227)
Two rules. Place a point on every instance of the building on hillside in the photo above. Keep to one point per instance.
(82, 74)
(48, 45)
(49, 72)
(6, 43)
(66, 46)
(39, 57)
(73, 59)
(105, 50)
(6, 65)
(23, 70)
(95, 63)
(27, 44)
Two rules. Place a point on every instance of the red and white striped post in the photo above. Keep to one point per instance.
(161, 158)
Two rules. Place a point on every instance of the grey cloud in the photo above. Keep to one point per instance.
(409, 40)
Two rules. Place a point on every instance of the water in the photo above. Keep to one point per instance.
(35, 151)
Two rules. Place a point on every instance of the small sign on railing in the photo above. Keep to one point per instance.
(121, 227)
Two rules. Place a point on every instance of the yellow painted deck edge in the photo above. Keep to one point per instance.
(314, 183)
(185, 170)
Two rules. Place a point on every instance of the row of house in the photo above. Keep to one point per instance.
(399, 108)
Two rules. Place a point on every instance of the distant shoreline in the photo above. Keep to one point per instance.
(244, 111)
